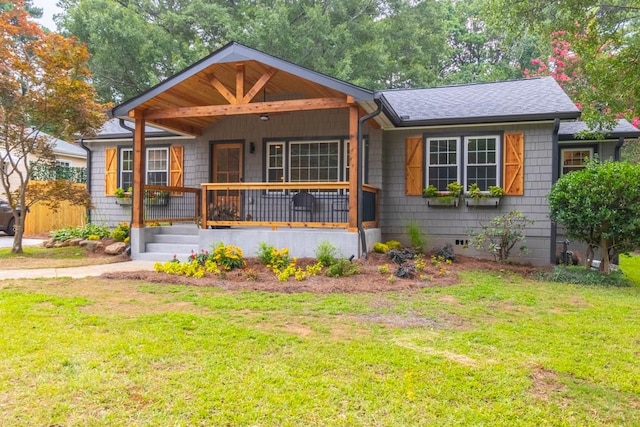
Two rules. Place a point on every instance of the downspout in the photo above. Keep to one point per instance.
(555, 170)
(81, 143)
(361, 120)
(616, 152)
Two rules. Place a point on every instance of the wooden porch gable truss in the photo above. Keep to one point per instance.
(239, 102)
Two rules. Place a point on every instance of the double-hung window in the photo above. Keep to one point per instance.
(467, 160)
(573, 159)
(482, 154)
(443, 160)
(157, 167)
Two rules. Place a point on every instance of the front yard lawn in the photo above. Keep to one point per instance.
(496, 349)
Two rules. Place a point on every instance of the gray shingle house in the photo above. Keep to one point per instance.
(243, 147)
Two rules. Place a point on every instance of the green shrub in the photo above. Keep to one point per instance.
(121, 232)
(273, 257)
(501, 234)
(393, 244)
(578, 275)
(228, 256)
(326, 253)
(63, 234)
(380, 248)
(342, 267)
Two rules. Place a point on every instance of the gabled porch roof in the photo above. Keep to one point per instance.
(237, 79)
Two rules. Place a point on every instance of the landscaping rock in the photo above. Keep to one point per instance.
(115, 248)
(91, 245)
(74, 242)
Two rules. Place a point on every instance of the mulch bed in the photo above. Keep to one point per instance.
(369, 279)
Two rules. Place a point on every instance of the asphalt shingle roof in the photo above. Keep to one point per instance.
(515, 100)
(623, 129)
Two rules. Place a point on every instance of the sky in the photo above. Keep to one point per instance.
(49, 9)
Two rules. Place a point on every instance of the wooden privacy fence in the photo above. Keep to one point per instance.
(42, 220)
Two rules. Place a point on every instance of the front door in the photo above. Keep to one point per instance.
(227, 164)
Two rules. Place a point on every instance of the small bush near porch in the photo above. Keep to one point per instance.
(495, 349)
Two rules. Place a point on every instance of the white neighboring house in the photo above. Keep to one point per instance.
(66, 154)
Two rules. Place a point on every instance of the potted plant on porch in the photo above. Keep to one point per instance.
(223, 212)
(490, 198)
(451, 197)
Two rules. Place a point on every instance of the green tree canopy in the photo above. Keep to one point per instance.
(372, 43)
(599, 205)
(603, 37)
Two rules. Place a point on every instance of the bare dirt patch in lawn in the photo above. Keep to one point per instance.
(368, 280)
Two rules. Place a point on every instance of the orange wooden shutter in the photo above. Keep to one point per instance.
(413, 166)
(110, 170)
(176, 178)
(513, 164)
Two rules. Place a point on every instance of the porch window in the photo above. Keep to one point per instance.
(443, 158)
(157, 167)
(316, 161)
(306, 161)
(482, 154)
(275, 162)
(573, 159)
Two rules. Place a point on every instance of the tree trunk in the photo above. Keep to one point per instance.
(605, 264)
(17, 239)
(590, 255)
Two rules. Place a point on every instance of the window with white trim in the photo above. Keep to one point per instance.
(63, 163)
(573, 159)
(466, 160)
(306, 161)
(482, 156)
(157, 167)
(275, 162)
(443, 159)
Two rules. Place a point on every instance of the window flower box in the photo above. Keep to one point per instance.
(478, 198)
(450, 198)
(123, 201)
(483, 201)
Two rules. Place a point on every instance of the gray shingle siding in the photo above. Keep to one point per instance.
(446, 225)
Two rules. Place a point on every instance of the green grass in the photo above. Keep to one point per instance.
(38, 257)
(495, 350)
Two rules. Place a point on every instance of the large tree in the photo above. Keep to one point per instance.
(599, 205)
(44, 85)
(603, 36)
(373, 43)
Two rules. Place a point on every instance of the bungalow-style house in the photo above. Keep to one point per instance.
(242, 147)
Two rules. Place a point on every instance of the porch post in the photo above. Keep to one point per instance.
(354, 168)
(137, 206)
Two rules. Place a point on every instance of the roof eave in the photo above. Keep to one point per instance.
(566, 115)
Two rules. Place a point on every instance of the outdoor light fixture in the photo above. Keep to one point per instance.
(264, 117)
(252, 147)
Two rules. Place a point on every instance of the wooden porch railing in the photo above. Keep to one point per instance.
(303, 204)
(171, 204)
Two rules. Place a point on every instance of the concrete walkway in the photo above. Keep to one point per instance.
(77, 272)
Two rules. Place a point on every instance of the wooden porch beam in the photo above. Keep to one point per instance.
(220, 87)
(137, 220)
(251, 108)
(239, 84)
(177, 127)
(257, 87)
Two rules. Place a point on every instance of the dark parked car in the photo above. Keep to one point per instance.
(7, 221)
